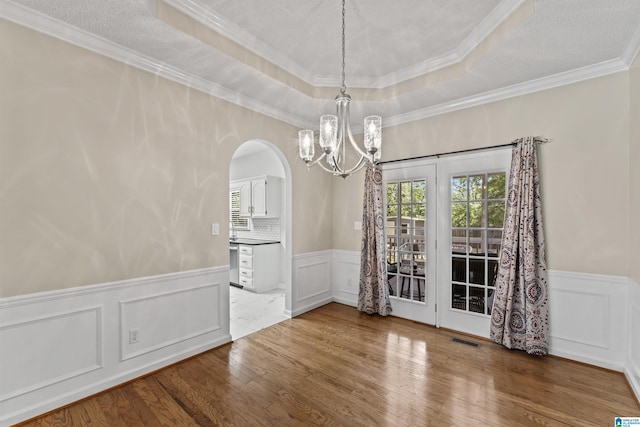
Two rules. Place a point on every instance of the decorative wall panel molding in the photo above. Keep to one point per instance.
(312, 286)
(68, 344)
(147, 317)
(61, 346)
(587, 314)
(346, 277)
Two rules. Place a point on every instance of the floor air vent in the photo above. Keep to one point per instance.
(461, 341)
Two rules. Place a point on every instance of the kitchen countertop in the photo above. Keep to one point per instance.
(242, 241)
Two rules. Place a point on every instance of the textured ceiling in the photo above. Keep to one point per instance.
(406, 59)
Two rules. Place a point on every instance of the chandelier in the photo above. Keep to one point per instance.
(335, 129)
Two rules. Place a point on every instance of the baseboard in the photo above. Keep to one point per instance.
(78, 339)
(346, 301)
(309, 307)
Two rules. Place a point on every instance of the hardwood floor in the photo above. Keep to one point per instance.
(336, 366)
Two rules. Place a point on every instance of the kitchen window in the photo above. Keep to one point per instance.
(237, 222)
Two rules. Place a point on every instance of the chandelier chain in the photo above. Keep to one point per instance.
(343, 88)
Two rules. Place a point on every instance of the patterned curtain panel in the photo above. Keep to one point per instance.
(519, 317)
(374, 294)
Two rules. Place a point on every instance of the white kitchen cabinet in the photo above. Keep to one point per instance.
(260, 197)
(259, 267)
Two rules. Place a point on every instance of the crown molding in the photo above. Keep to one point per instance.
(243, 38)
(79, 37)
(248, 41)
(58, 29)
(488, 25)
(532, 86)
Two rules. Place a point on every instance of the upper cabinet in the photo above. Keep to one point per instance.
(260, 197)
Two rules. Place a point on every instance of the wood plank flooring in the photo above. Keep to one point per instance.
(336, 366)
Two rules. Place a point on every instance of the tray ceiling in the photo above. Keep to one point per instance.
(406, 59)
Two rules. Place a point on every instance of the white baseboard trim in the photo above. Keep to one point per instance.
(79, 338)
(309, 307)
(346, 301)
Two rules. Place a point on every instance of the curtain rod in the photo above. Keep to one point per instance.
(538, 139)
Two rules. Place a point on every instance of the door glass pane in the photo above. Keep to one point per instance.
(476, 271)
(459, 297)
(459, 214)
(405, 192)
(459, 241)
(496, 185)
(406, 249)
(459, 270)
(392, 193)
(476, 187)
(476, 214)
(419, 190)
(494, 239)
(476, 242)
(476, 233)
(476, 299)
(495, 214)
(459, 188)
(392, 212)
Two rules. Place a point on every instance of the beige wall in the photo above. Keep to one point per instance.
(634, 165)
(108, 172)
(584, 171)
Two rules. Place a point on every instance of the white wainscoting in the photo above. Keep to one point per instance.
(632, 367)
(346, 277)
(61, 346)
(594, 318)
(588, 318)
(312, 285)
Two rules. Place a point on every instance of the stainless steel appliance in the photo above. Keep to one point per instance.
(234, 279)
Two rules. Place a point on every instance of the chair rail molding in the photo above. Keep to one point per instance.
(80, 341)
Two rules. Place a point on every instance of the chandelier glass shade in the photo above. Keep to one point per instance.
(335, 131)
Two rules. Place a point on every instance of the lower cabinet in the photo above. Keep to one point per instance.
(259, 267)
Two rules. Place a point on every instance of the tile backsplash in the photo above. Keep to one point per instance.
(262, 228)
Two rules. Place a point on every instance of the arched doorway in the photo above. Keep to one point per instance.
(251, 308)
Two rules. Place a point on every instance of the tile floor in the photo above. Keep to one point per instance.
(251, 312)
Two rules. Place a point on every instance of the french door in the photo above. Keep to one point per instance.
(472, 194)
(444, 220)
(410, 200)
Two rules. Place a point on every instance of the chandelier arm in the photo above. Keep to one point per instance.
(334, 171)
(355, 146)
(363, 161)
(317, 161)
(344, 115)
